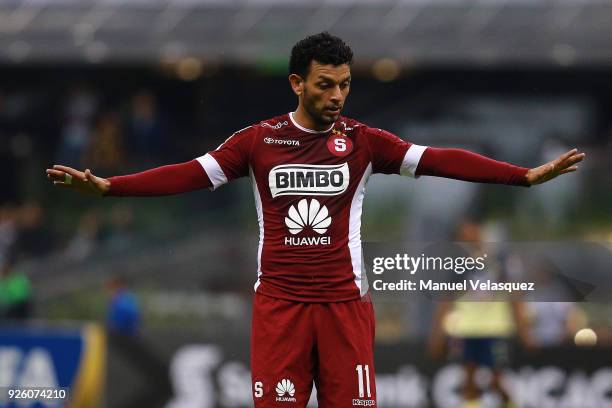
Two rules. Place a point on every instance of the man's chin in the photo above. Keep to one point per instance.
(330, 118)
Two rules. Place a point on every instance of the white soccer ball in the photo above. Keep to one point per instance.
(585, 338)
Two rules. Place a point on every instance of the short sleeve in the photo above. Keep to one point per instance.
(231, 159)
(392, 155)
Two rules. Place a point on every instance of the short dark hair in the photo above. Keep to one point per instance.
(323, 48)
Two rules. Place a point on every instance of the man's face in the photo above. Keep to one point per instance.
(324, 91)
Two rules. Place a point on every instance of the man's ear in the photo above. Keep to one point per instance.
(297, 84)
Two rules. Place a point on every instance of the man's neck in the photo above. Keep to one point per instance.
(302, 118)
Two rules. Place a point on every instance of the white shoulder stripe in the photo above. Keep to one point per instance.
(213, 170)
(411, 160)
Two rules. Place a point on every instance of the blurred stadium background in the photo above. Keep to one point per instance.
(146, 302)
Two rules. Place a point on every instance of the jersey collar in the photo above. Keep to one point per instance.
(303, 129)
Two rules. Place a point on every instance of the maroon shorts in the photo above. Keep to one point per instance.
(294, 344)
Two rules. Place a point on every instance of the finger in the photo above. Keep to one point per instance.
(96, 181)
(53, 171)
(568, 154)
(577, 158)
(62, 184)
(61, 177)
(65, 169)
(69, 170)
(569, 170)
(56, 175)
(559, 160)
(54, 178)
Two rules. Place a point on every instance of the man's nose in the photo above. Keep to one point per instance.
(336, 95)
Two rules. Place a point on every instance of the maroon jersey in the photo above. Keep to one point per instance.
(309, 188)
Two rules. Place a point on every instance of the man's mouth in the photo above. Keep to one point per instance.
(333, 110)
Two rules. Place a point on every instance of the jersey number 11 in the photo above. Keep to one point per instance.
(361, 370)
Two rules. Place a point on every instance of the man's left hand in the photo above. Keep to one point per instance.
(566, 163)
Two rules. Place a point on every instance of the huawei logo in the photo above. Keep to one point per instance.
(285, 387)
(311, 214)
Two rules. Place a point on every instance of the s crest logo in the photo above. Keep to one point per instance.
(339, 144)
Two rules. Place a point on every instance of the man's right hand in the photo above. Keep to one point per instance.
(84, 182)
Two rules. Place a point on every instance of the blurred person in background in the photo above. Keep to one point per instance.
(107, 146)
(328, 319)
(554, 323)
(8, 228)
(553, 320)
(118, 229)
(124, 326)
(479, 330)
(87, 236)
(8, 163)
(15, 292)
(144, 138)
(34, 236)
(76, 132)
(123, 315)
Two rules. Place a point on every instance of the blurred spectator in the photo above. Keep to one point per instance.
(86, 238)
(123, 311)
(480, 330)
(125, 339)
(553, 320)
(8, 229)
(106, 153)
(554, 323)
(15, 292)
(118, 233)
(76, 132)
(9, 164)
(34, 237)
(145, 138)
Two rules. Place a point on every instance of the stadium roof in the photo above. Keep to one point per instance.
(416, 32)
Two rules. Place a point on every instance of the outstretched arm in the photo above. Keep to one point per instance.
(465, 165)
(165, 180)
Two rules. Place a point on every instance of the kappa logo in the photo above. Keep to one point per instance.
(348, 128)
(363, 403)
(277, 126)
(285, 391)
(308, 179)
(311, 214)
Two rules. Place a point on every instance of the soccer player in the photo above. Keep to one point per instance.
(313, 321)
(480, 330)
